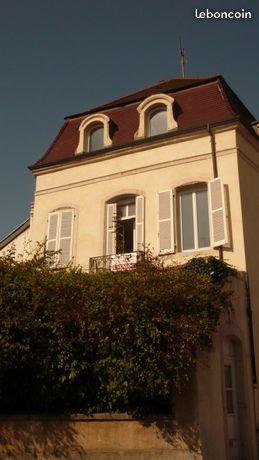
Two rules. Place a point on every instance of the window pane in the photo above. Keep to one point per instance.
(203, 219)
(158, 122)
(230, 402)
(125, 236)
(187, 221)
(228, 376)
(96, 139)
(131, 208)
(121, 211)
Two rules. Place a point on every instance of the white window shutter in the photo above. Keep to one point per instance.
(217, 211)
(66, 236)
(111, 228)
(140, 222)
(52, 239)
(165, 222)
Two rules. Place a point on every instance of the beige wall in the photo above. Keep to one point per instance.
(248, 163)
(20, 245)
(88, 186)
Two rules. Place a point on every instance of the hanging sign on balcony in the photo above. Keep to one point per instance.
(124, 262)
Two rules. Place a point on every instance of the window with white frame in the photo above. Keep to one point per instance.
(125, 225)
(194, 219)
(199, 220)
(94, 133)
(60, 234)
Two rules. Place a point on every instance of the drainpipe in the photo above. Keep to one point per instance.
(215, 168)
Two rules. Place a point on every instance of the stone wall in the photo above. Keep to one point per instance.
(99, 437)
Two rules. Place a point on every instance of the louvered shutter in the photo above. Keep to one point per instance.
(66, 236)
(52, 232)
(217, 212)
(165, 222)
(140, 223)
(111, 229)
(228, 223)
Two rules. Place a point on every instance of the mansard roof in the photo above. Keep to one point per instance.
(198, 101)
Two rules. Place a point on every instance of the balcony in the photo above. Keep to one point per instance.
(115, 262)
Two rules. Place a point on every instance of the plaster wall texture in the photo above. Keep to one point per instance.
(88, 187)
(82, 437)
(20, 244)
(248, 165)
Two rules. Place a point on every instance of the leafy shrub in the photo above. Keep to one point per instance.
(108, 342)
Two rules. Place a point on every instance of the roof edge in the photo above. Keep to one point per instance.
(16, 232)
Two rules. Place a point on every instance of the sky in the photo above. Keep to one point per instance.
(59, 57)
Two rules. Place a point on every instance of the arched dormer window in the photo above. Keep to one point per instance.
(156, 121)
(94, 133)
(94, 138)
(155, 116)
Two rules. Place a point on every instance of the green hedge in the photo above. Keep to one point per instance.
(77, 342)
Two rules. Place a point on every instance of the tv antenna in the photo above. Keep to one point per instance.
(182, 57)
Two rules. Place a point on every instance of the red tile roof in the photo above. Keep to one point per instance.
(198, 101)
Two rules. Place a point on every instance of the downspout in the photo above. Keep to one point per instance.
(215, 168)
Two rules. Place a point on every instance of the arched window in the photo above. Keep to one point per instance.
(94, 138)
(125, 225)
(155, 116)
(157, 121)
(94, 133)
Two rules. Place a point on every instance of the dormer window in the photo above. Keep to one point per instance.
(156, 122)
(94, 138)
(155, 116)
(94, 133)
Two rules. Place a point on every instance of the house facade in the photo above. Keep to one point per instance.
(173, 168)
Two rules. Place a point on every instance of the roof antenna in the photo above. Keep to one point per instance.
(182, 57)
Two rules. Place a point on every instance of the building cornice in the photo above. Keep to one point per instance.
(135, 146)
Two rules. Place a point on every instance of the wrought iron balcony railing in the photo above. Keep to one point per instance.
(115, 262)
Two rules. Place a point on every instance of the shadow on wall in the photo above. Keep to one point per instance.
(25, 439)
(22, 439)
(104, 436)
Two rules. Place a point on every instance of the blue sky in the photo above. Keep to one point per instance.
(60, 57)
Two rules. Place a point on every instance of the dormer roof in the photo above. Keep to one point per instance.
(198, 101)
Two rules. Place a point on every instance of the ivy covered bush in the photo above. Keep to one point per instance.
(109, 342)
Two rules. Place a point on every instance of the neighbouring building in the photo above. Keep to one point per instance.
(175, 168)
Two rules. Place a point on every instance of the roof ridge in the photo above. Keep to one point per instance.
(118, 99)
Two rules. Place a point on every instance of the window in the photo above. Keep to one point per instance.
(157, 122)
(194, 219)
(94, 138)
(60, 234)
(94, 133)
(125, 225)
(200, 219)
(155, 116)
